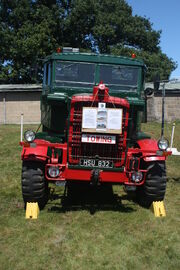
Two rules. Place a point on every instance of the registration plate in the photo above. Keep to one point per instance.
(96, 163)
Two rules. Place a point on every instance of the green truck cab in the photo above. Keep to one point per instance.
(68, 74)
(92, 107)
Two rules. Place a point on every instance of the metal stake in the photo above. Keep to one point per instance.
(22, 120)
(163, 98)
(172, 135)
(4, 102)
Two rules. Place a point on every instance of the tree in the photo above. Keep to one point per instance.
(32, 29)
(29, 31)
(156, 62)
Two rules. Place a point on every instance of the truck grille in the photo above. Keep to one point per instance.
(79, 150)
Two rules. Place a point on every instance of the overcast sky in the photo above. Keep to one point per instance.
(165, 16)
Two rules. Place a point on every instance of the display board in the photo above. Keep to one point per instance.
(102, 119)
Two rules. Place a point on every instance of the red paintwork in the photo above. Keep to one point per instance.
(148, 144)
(147, 159)
(151, 147)
(130, 158)
(85, 175)
(100, 94)
(35, 153)
(40, 153)
(107, 98)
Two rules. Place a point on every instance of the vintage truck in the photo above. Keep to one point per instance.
(92, 107)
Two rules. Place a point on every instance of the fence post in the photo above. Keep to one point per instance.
(4, 103)
(172, 135)
(22, 120)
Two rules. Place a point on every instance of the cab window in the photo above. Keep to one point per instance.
(47, 74)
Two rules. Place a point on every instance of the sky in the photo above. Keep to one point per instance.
(165, 16)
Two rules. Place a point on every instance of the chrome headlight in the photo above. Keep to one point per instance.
(53, 171)
(29, 136)
(163, 144)
(136, 177)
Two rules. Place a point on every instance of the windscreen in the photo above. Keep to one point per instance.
(119, 77)
(72, 74)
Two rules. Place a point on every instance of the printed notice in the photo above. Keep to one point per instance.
(114, 119)
(89, 118)
(101, 118)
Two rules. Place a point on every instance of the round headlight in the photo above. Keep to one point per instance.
(136, 177)
(163, 144)
(29, 135)
(53, 171)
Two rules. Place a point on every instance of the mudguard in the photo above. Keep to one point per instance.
(34, 152)
(151, 147)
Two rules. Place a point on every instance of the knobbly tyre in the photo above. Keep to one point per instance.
(92, 107)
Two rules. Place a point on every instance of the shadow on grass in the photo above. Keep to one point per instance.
(90, 198)
(173, 179)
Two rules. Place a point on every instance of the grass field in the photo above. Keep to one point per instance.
(101, 234)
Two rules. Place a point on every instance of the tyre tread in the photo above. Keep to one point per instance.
(34, 185)
(154, 187)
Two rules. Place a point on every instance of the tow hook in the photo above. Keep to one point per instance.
(95, 177)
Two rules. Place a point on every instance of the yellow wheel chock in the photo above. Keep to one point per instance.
(158, 209)
(32, 210)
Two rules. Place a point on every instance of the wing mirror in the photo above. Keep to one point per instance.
(148, 91)
(156, 81)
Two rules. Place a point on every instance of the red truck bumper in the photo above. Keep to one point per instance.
(38, 151)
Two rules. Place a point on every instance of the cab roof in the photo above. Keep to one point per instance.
(95, 58)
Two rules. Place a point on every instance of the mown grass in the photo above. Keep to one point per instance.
(116, 234)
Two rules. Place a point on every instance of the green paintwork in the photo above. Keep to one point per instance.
(60, 97)
(51, 137)
(138, 102)
(94, 58)
(97, 59)
(141, 136)
(55, 101)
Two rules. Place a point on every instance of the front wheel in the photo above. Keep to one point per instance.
(34, 185)
(154, 187)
